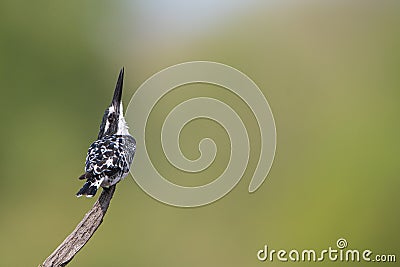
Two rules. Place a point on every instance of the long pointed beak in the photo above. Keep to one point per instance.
(116, 101)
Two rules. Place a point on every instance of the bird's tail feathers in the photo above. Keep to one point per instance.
(90, 188)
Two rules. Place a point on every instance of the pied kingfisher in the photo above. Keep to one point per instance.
(110, 156)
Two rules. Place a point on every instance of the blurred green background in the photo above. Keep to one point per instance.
(329, 69)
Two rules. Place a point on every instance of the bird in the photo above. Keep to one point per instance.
(109, 158)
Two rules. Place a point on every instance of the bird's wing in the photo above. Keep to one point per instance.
(105, 156)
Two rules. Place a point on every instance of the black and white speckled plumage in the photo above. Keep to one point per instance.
(107, 162)
(110, 156)
(110, 153)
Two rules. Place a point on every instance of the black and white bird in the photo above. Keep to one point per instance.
(110, 156)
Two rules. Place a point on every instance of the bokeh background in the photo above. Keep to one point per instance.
(329, 69)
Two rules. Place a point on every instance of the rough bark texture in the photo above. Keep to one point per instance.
(82, 233)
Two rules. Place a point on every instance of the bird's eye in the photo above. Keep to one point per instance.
(111, 118)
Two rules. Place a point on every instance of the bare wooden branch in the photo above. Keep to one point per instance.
(82, 233)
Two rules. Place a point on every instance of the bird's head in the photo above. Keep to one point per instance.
(113, 120)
